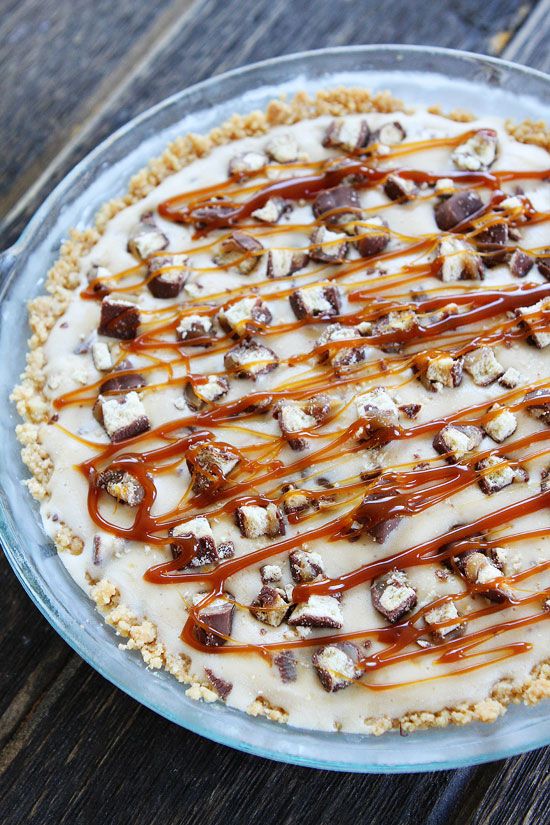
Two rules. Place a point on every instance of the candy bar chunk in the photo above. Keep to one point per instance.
(337, 665)
(246, 164)
(545, 480)
(377, 408)
(272, 211)
(457, 209)
(492, 243)
(298, 501)
(482, 365)
(250, 359)
(510, 379)
(393, 595)
(410, 410)
(400, 189)
(543, 264)
(98, 276)
(317, 301)
(285, 662)
(520, 264)
(122, 486)
(536, 320)
(496, 474)
(119, 318)
(500, 424)
(347, 134)
(442, 371)
(480, 570)
(539, 405)
(328, 247)
(390, 134)
(444, 187)
(379, 529)
(210, 467)
(244, 316)
(199, 394)
(146, 238)
(445, 612)
(270, 606)
(123, 383)
(217, 618)
(255, 521)
(221, 686)
(283, 148)
(318, 611)
(398, 323)
(458, 261)
(293, 419)
(477, 153)
(305, 566)
(167, 275)
(101, 356)
(284, 262)
(341, 358)
(457, 440)
(337, 206)
(271, 573)
(373, 236)
(240, 250)
(124, 417)
(195, 330)
(199, 532)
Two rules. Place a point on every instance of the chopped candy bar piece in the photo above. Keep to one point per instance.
(284, 262)
(199, 532)
(457, 440)
(198, 395)
(305, 566)
(98, 278)
(271, 573)
(393, 595)
(250, 359)
(167, 275)
(478, 152)
(245, 164)
(341, 358)
(317, 301)
(283, 148)
(285, 662)
(328, 247)
(272, 211)
(378, 528)
(124, 417)
(210, 466)
(123, 383)
(441, 371)
(482, 365)
(221, 686)
(240, 250)
(458, 261)
(119, 318)
(398, 324)
(337, 665)
(254, 521)
(337, 206)
(539, 405)
(101, 355)
(377, 408)
(480, 570)
(195, 330)
(349, 135)
(146, 238)
(318, 611)
(373, 236)
(500, 424)
(510, 379)
(543, 264)
(456, 209)
(496, 474)
(536, 319)
(122, 486)
(520, 264)
(293, 419)
(244, 316)
(445, 612)
(390, 134)
(216, 621)
(398, 188)
(492, 243)
(269, 606)
(444, 187)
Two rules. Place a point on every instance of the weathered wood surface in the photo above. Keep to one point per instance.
(73, 749)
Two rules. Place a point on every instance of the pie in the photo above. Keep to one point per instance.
(287, 410)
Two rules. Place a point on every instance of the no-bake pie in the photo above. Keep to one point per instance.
(287, 413)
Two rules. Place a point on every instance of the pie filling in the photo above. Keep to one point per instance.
(298, 412)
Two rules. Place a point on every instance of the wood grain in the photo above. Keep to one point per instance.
(72, 748)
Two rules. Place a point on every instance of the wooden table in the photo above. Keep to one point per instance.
(73, 749)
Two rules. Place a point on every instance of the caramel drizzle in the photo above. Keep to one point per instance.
(417, 489)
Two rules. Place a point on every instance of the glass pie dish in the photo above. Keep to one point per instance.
(418, 75)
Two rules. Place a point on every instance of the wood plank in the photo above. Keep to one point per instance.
(530, 46)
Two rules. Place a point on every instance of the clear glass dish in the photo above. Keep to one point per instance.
(418, 74)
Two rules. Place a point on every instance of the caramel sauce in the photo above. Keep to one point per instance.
(399, 492)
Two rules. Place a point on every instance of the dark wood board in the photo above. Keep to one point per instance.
(73, 749)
